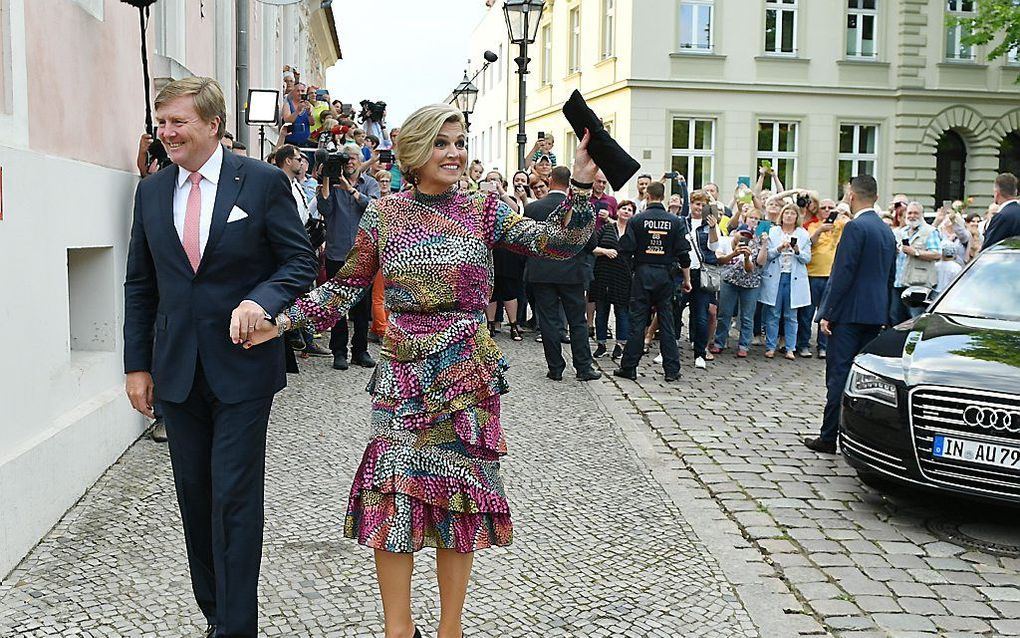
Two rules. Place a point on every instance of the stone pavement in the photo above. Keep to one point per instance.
(610, 539)
(857, 561)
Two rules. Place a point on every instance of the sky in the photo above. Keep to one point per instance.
(407, 53)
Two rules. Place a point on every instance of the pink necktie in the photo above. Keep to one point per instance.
(191, 217)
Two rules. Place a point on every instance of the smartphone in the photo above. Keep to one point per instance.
(486, 186)
(743, 241)
(541, 135)
(793, 242)
(906, 242)
(386, 156)
(763, 227)
(833, 216)
(744, 180)
(671, 175)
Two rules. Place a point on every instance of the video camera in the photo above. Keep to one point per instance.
(329, 157)
(371, 111)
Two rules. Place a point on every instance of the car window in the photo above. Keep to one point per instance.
(989, 288)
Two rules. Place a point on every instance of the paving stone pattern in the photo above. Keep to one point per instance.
(861, 562)
(600, 548)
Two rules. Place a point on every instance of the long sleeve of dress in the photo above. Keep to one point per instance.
(551, 238)
(324, 306)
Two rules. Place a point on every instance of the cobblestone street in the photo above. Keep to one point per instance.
(601, 549)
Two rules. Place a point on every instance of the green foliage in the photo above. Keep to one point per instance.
(992, 20)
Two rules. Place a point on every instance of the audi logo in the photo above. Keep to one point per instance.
(992, 418)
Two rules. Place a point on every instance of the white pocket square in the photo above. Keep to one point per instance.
(236, 214)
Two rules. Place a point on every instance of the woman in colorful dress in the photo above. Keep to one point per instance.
(430, 475)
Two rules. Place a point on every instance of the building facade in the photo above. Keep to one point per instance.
(822, 90)
(71, 113)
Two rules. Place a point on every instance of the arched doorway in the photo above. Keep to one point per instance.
(1009, 153)
(950, 167)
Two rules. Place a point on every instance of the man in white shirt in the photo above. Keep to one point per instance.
(288, 159)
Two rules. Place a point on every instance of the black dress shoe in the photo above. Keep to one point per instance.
(626, 373)
(564, 338)
(600, 351)
(339, 363)
(821, 445)
(554, 375)
(588, 375)
(672, 378)
(210, 631)
(363, 359)
(617, 352)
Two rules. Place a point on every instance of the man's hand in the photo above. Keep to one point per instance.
(604, 214)
(244, 319)
(264, 331)
(687, 287)
(344, 185)
(825, 327)
(584, 167)
(139, 388)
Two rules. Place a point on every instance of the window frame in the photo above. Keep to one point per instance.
(774, 155)
(697, 6)
(545, 78)
(691, 153)
(780, 7)
(862, 13)
(608, 30)
(855, 156)
(956, 32)
(574, 40)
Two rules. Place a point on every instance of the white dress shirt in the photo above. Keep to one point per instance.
(210, 173)
(299, 198)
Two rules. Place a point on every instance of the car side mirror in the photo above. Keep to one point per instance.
(917, 296)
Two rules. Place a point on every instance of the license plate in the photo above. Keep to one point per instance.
(976, 452)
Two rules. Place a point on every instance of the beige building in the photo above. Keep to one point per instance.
(823, 90)
(71, 113)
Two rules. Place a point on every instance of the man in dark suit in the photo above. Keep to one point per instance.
(1006, 222)
(557, 282)
(856, 305)
(216, 245)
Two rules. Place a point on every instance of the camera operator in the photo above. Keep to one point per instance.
(297, 112)
(342, 203)
(373, 119)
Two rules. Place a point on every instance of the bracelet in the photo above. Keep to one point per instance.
(583, 186)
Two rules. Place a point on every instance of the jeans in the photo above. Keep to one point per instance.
(806, 315)
(698, 302)
(729, 297)
(781, 311)
(602, 321)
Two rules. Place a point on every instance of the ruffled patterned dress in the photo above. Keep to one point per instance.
(430, 474)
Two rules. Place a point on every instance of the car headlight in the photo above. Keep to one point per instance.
(868, 385)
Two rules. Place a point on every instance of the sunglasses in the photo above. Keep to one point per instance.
(827, 207)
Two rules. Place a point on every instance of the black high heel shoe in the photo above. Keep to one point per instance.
(515, 332)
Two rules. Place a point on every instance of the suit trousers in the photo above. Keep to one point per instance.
(652, 286)
(218, 454)
(847, 340)
(360, 315)
(548, 298)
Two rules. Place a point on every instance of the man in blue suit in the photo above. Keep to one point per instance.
(216, 245)
(856, 305)
(1006, 222)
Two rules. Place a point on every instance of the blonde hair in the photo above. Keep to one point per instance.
(381, 174)
(208, 94)
(790, 206)
(418, 134)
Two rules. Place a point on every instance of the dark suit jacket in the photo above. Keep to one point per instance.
(174, 316)
(1005, 224)
(576, 270)
(863, 272)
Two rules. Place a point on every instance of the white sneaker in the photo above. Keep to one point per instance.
(699, 363)
(658, 358)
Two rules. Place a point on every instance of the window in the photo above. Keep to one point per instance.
(696, 25)
(781, 27)
(955, 48)
(694, 150)
(608, 26)
(950, 167)
(860, 28)
(1009, 153)
(569, 146)
(858, 154)
(170, 24)
(777, 144)
(546, 55)
(500, 64)
(575, 41)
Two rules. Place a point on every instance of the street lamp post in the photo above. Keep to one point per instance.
(522, 20)
(466, 95)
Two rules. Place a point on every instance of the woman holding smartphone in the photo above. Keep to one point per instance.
(785, 286)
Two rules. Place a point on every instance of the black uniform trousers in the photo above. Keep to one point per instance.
(652, 286)
(360, 315)
(218, 454)
(548, 298)
(847, 340)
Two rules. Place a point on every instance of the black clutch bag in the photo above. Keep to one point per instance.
(608, 155)
(316, 229)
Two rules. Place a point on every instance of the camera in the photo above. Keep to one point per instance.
(803, 200)
(371, 111)
(385, 156)
(331, 160)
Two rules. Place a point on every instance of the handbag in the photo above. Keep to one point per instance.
(316, 229)
(711, 276)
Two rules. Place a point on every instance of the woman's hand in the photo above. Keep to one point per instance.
(264, 331)
(584, 167)
(611, 253)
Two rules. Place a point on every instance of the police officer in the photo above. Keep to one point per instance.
(655, 242)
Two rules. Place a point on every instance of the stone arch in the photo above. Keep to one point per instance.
(1005, 125)
(962, 119)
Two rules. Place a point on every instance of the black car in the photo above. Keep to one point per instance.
(935, 401)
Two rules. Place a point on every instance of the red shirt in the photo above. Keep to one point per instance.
(611, 205)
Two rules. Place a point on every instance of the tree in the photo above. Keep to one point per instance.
(991, 20)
